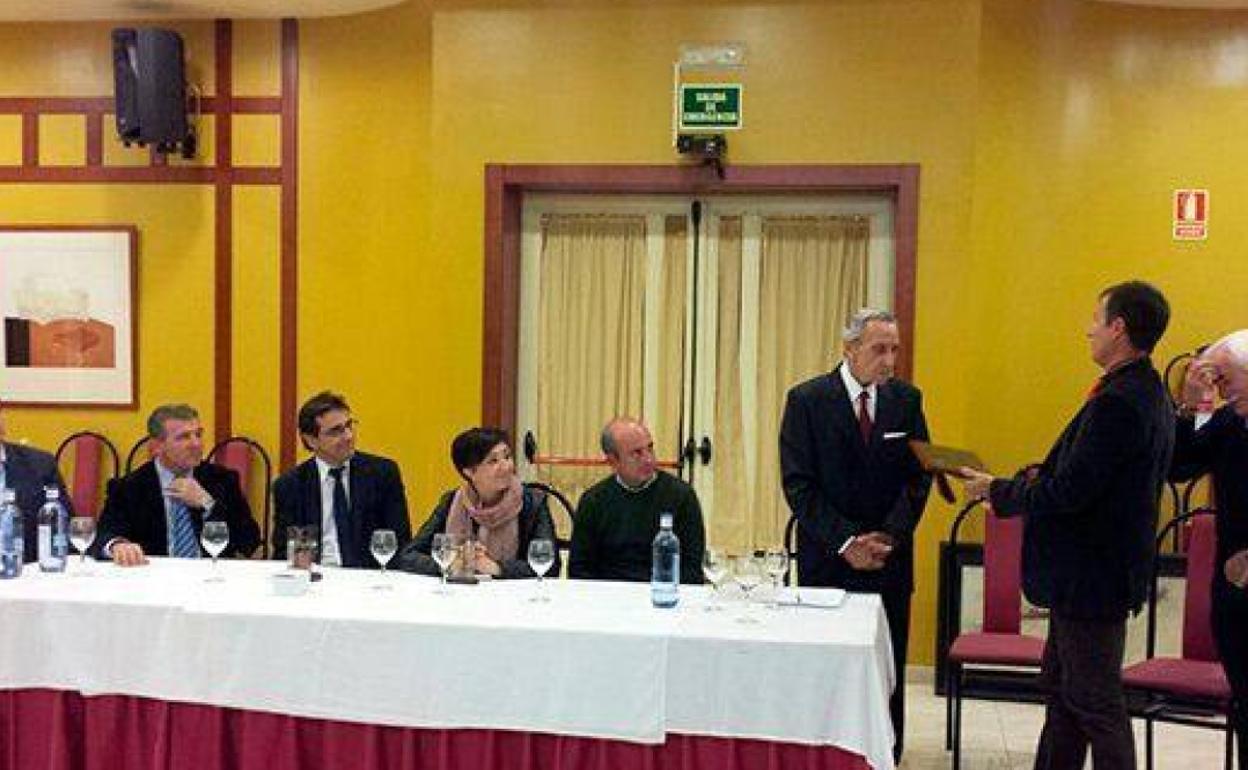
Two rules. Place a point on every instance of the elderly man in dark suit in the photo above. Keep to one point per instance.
(1220, 446)
(1090, 512)
(346, 494)
(852, 482)
(28, 471)
(159, 509)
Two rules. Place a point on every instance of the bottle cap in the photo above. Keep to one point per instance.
(665, 520)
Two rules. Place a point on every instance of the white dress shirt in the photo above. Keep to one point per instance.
(855, 390)
(331, 553)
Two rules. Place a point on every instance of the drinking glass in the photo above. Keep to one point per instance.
(443, 553)
(714, 569)
(776, 563)
(82, 535)
(749, 575)
(214, 537)
(541, 556)
(384, 544)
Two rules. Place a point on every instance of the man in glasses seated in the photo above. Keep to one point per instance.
(344, 493)
(159, 509)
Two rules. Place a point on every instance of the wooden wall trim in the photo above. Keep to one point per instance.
(289, 281)
(505, 186)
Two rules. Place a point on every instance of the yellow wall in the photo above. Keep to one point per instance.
(1050, 134)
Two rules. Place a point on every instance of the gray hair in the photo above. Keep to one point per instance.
(1234, 346)
(858, 322)
(156, 421)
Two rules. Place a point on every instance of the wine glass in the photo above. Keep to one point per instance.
(384, 544)
(82, 535)
(776, 563)
(541, 556)
(443, 552)
(214, 537)
(714, 569)
(749, 575)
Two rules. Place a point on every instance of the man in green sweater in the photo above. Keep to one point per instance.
(617, 518)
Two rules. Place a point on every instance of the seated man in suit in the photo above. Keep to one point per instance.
(617, 518)
(28, 471)
(345, 493)
(160, 508)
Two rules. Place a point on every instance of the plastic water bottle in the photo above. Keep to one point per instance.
(12, 537)
(665, 568)
(53, 523)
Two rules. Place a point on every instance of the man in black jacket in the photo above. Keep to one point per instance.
(1220, 447)
(1090, 513)
(344, 493)
(160, 508)
(28, 472)
(852, 482)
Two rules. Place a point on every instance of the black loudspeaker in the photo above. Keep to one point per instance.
(150, 81)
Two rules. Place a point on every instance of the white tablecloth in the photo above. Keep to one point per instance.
(596, 661)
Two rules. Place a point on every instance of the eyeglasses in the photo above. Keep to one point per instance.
(341, 429)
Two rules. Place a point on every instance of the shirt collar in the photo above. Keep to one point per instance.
(642, 487)
(323, 468)
(166, 475)
(853, 387)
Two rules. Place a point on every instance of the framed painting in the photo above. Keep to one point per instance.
(67, 296)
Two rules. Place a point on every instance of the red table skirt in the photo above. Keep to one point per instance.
(60, 730)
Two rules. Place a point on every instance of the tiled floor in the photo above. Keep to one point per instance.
(1002, 736)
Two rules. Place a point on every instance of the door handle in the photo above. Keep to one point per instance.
(704, 450)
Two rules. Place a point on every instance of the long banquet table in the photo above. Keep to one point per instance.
(156, 668)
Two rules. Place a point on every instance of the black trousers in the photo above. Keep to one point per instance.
(1081, 675)
(897, 610)
(1230, 631)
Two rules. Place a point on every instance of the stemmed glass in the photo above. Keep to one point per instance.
(541, 556)
(443, 552)
(214, 537)
(82, 535)
(776, 562)
(714, 569)
(384, 544)
(749, 575)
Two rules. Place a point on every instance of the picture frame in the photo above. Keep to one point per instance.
(68, 300)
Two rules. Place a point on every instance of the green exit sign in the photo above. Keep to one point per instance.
(710, 106)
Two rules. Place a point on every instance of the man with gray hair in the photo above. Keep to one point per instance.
(1220, 446)
(160, 508)
(852, 482)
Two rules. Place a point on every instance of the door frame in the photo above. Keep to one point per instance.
(506, 185)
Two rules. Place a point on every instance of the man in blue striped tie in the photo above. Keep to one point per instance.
(160, 508)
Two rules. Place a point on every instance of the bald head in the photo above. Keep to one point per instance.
(630, 450)
(1229, 357)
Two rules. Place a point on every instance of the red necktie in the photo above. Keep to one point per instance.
(864, 416)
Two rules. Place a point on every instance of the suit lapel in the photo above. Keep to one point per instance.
(155, 502)
(843, 413)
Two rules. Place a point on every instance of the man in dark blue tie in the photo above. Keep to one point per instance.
(28, 471)
(160, 508)
(344, 493)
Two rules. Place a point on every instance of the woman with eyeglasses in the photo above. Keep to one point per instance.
(491, 507)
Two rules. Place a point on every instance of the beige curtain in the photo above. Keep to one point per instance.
(665, 414)
(589, 368)
(812, 277)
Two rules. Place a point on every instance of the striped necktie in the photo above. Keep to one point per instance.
(185, 545)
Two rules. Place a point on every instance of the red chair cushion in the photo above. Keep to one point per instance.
(998, 649)
(1176, 676)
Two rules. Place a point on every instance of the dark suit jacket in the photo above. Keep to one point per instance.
(27, 472)
(135, 510)
(377, 502)
(535, 523)
(1220, 447)
(838, 486)
(1091, 508)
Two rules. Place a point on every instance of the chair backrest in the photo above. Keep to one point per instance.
(1198, 641)
(88, 449)
(1003, 547)
(239, 454)
(140, 452)
(562, 512)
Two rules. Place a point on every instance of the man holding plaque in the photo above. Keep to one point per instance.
(852, 482)
(1090, 513)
